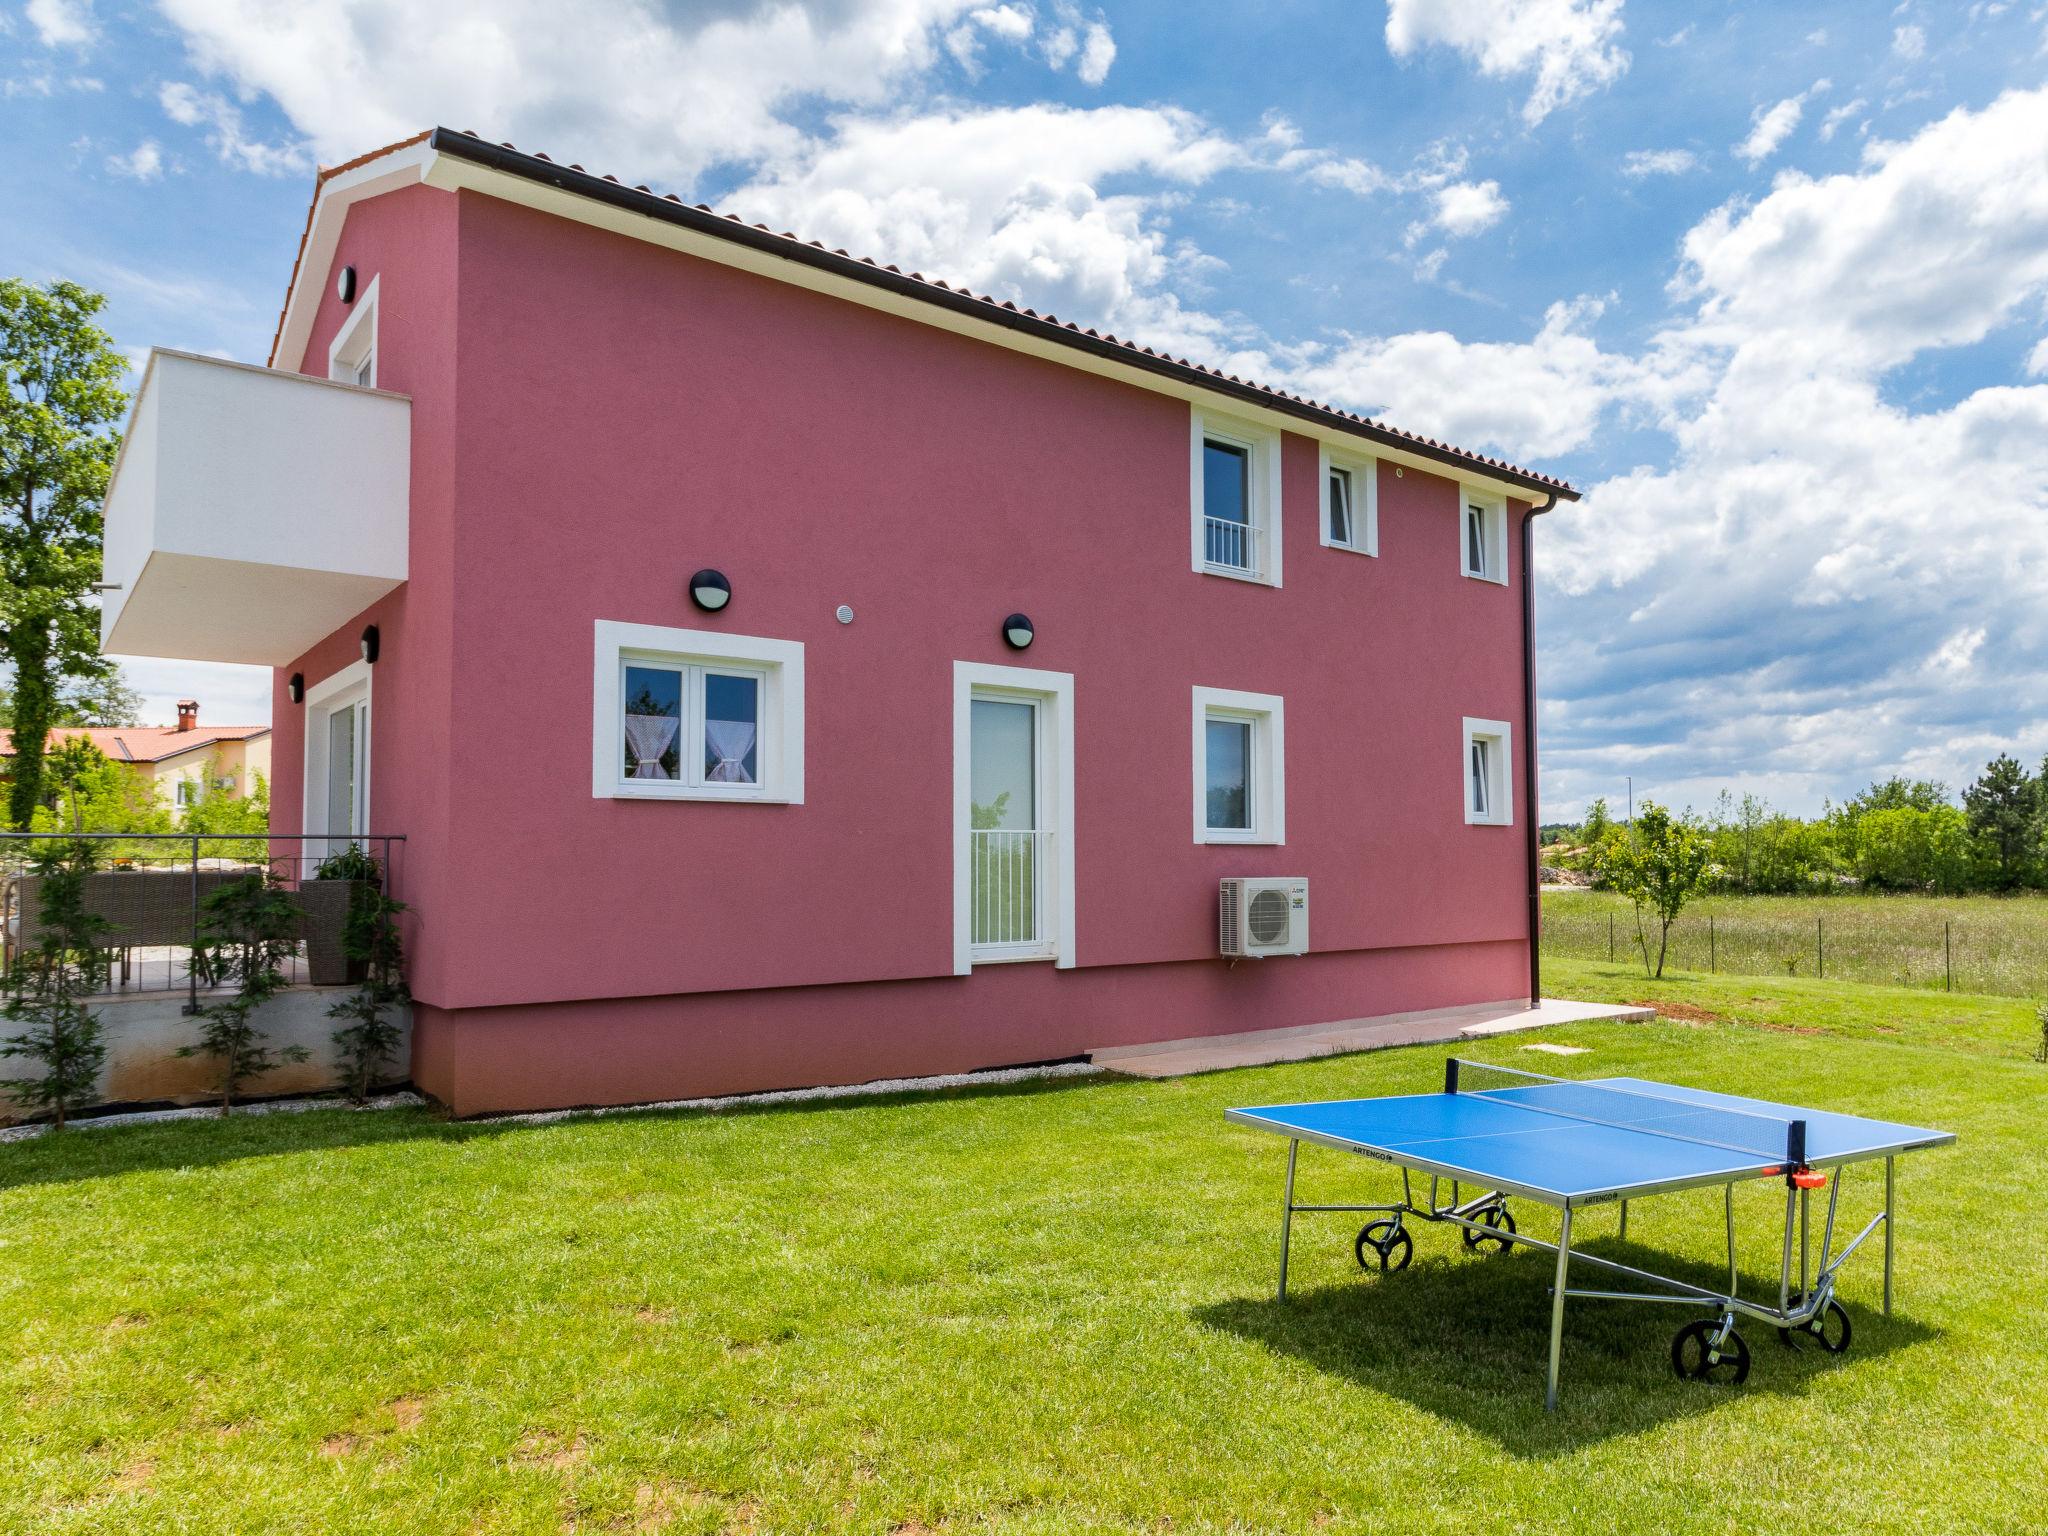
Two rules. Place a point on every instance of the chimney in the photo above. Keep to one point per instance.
(188, 714)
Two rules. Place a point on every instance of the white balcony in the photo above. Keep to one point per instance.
(252, 511)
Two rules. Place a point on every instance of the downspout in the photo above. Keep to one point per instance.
(1535, 841)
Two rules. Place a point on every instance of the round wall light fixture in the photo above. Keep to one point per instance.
(345, 285)
(1017, 631)
(368, 644)
(844, 614)
(295, 688)
(710, 590)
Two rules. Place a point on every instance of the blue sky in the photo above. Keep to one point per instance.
(1769, 281)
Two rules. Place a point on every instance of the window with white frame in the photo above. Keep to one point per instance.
(187, 792)
(1240, 779)
(1350, 510)
(1236, 499)
(352, 355)
(686, 714)
(1483, 535)
(1489, 782)
(1013, 815)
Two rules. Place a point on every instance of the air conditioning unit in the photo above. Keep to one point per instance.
(1263, 917)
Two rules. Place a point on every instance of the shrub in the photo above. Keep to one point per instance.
(44, 992)
(371, 1039)
(248, 928)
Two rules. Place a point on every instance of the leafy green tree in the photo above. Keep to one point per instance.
(235, 826)
(1661, 865)
(1906, 848)
(1593, 830)
(89, 792)
(102, 700)
(60, 402)
(247, 929)
(2005, 812)
(45, 988)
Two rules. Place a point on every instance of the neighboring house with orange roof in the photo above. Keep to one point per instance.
(176, 760)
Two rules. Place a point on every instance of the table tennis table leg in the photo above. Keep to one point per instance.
(1888, 1237)
(1564, 1255)
(1728, 1204)
(1287, 1215)
(1805, 1237)
(1624, 1221)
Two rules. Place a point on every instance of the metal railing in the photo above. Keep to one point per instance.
(1006, 876)
(151, 890)
(1230, 546)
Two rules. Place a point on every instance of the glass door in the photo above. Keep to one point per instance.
(1006, 839)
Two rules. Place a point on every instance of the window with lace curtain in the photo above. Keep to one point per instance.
(693, 714)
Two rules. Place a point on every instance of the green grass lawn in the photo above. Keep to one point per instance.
(1044, 1309)
(1996, 944)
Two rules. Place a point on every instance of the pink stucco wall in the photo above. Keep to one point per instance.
(594, 418)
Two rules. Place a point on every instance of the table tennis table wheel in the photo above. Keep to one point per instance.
(1390, 1241)
(1695, 1357)
(1830, 1325)
(1496, 1216)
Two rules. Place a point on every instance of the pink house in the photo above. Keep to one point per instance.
(787, 670)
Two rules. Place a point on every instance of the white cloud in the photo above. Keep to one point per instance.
(1466, 208)
(221, 120)
(62, 23)
(1638, 163)
(1770, 127)
(1909, 42)
(1008, 23)
(2037, 360)
(1837, 116)
(1098, 52)
(1572, 47)
(145, 162)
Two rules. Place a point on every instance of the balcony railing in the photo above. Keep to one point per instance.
(1006, 873)
(151, 891)
(1230, 546)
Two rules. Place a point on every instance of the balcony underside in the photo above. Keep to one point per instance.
(196, 608)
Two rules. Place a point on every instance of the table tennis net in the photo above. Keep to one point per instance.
(1768, 1138)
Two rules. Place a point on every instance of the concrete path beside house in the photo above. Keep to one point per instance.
(1262, 1047)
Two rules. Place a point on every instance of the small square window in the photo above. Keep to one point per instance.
(1482, 531)
(1489, 792)
(698, 715)
(1240, 776)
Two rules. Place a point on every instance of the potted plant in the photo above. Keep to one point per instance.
(339, 883)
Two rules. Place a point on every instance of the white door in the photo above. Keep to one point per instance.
(338, 762)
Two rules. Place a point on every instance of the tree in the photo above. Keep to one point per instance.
(2005, 811)
(59, 408)
(1593, 830)
(64, 965)
(89, 792)
(370, 1040)
(1662, 864)
(106, 700)
(248, 927)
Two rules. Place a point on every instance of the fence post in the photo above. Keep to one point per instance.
(1610, 938)
(1820, 949)
(1948, 964)
(192, 965)
(1712, 961)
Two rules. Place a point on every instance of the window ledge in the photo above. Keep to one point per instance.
(1233, 573)
(1354, 549)
(691, 792)
(1214, 839)
(1036, 957)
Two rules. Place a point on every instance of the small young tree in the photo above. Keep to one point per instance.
(248, 928)
(1662, 864)
(65, 965)
(370, 1040)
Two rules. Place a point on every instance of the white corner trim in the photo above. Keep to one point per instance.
(782, 710)
(1500, 790)
(1365, 499)
(1262, 483)
(1268, 714)
(346, 352)
(1055, 691)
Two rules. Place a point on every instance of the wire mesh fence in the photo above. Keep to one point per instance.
(2005, 954)
(151, 891)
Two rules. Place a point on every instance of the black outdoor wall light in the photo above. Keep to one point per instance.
(710, 590)
(1017, 631)
(295, 688)
(345, 285)
(368, 644)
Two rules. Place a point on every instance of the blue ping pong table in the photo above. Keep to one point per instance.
(1573, 1143)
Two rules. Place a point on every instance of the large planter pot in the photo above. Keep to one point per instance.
(326, 904)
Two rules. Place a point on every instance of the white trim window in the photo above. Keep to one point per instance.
(694, 714)
(336, 806)
(1488, 773)
(1013, 815)
(1350, 512)
(1234, 495)
(352, 355)
(1482, 535)
(1240, 767)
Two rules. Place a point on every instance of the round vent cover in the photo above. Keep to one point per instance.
(1267, 917)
